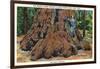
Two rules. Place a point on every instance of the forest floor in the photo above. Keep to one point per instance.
(23, 56)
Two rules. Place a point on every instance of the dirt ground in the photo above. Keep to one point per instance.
(24, 56)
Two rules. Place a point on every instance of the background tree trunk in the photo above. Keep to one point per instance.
(84, 21)
(26, 25)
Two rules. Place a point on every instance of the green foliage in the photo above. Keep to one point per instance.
(31, 12)
(20, 18)
(84, 22)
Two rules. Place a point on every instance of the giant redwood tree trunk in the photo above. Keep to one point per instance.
(47, 36)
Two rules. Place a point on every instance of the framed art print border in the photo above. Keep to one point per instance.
(12, 39)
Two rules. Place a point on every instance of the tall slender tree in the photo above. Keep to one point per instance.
(84, 23)
(26, 25)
